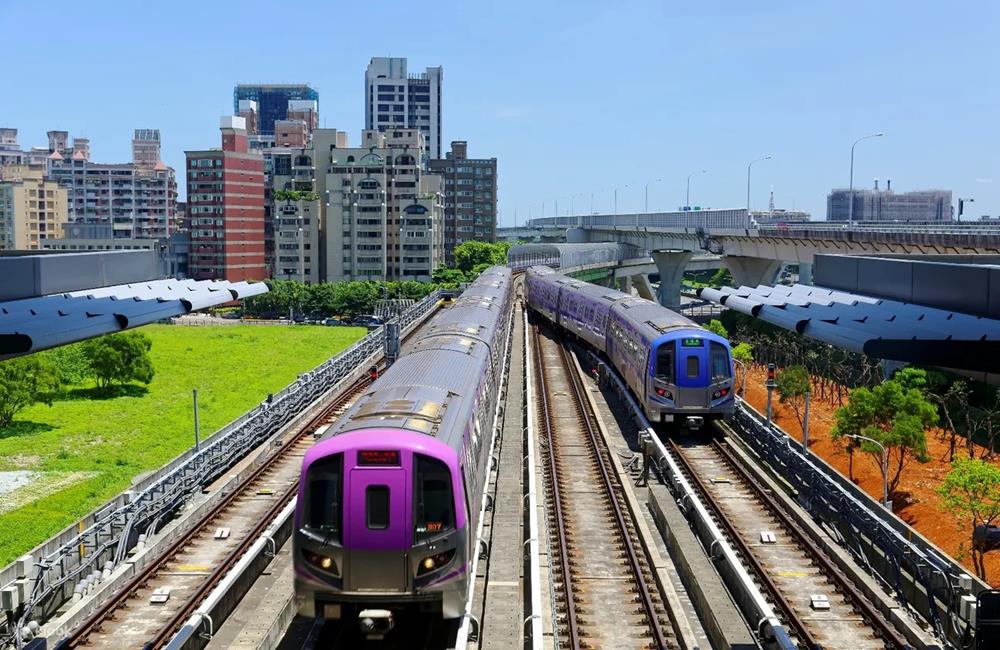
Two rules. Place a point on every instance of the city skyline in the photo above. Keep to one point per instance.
(669, 91)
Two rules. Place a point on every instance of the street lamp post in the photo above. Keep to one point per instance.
(748, 179)
(885, 468)
(616, 204)
(961, 206)
(687, 196)
(647, 193)
(850, 206)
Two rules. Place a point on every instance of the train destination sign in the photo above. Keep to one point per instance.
(378, 457)
(692, 343)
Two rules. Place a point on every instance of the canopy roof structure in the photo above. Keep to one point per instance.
(32, 324)
(877, 327)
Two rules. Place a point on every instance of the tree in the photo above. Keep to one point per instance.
(295, 195)
(470, 254)
(447, 275)
(971, 493)
(715, 326)
(793, 384)
(120, 358)
(743, 356)
(896, 413)
(23, 382)
(722, 278)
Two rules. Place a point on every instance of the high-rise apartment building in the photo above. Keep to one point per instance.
(146, 148)
(886, 205)
(383, 215)
(32, 208)
(226, 208)
(272, 102)
(470, 197)
(396, 99)
(293, 245)
(104, 201)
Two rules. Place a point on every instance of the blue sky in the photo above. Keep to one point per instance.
(572, 98)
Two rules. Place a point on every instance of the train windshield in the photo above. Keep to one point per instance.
(435, 505)
(326, 484)
(719, 362)
(665, 362)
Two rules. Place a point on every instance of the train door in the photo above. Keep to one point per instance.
(692, 362)
(378, 530)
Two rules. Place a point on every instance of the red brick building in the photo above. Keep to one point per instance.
(225, 189)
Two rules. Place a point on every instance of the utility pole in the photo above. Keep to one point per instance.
(805, 428)
(197, 427)
(770, 389)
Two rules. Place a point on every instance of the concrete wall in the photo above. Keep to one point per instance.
(27, 276)
(967, 288)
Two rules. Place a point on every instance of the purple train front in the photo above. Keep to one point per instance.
(389, 498)
(676, 368)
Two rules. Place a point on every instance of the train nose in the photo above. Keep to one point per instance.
(377, 529)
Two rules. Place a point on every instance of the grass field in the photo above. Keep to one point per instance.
(100, 445)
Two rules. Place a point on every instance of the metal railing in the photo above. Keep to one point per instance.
(533, 576)
(116, 530)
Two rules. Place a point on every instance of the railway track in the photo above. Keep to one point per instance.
(197, 561)
(602, 578)
(788, 566)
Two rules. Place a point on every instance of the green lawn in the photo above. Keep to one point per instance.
(100, 445)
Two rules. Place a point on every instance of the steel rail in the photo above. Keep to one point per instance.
(571, 623)
(805, 636)
(93, 623)
(633, 555)
(870, 613)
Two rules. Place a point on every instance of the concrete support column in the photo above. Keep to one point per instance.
(751, 271)
(643, 287)
(806, 274)
(671, 265)
(625, 284)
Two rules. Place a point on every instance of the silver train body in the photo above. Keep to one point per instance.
(416, 441)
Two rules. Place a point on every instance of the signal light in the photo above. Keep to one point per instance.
(770, 371)
(724, 392)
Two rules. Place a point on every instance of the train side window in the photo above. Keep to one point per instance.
(720, 362)
(692, 365)
(434, 502)
(326, 496)
(377, 506)
(665, 362)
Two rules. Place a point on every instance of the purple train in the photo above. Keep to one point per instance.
(389, 498)
(674, 367)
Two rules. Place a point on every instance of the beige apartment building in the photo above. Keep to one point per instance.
(383, 215)
(32, 208)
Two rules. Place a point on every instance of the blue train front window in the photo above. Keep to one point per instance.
(665, 362)
(719, 362)
(326, 496)
(435, 505)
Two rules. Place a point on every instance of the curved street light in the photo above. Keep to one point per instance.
(885, 468)
(687, 196)
(850, 206)
(748, 178)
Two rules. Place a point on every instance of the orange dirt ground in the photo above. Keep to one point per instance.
(915, 500)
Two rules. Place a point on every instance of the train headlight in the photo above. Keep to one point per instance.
(324, 562)
(434, 562)
(719, 394)
(663, 392)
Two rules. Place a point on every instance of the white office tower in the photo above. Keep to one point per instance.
(395, 99)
